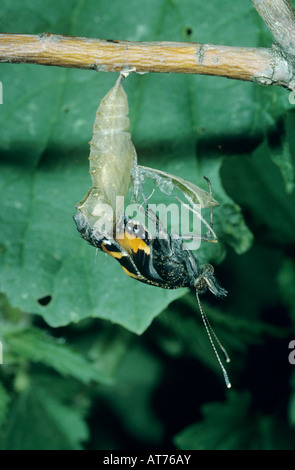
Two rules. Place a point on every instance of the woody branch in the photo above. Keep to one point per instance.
(266, 66)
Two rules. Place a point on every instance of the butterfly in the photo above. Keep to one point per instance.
(161, 260)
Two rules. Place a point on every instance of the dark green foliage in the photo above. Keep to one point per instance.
(83, 365)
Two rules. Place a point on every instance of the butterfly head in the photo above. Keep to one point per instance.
(206, 280)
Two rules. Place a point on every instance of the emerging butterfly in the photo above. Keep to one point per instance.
(161, 260)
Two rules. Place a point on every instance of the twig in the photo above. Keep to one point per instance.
(241, 63)
(279, 16)
(266, 66)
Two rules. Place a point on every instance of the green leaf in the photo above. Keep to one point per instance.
(178, 125)
(291, 408)
(221, 429)
(4, 404)
(60, 428)
(257, 185)
(233, 425)
(284, 160)
(241, 136)
(137, 381)
(35, 345)
(232, 227)
(286, 281)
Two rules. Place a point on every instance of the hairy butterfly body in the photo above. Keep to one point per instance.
(163, 262)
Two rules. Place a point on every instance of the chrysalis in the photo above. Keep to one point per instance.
(112, 154)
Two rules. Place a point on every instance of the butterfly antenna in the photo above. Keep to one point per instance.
(209, 227)
(151, 214)
(227, 358)
(208, 329)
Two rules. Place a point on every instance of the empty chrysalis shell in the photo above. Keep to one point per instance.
(111, 154)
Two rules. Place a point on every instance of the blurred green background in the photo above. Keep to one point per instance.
(91, 358)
